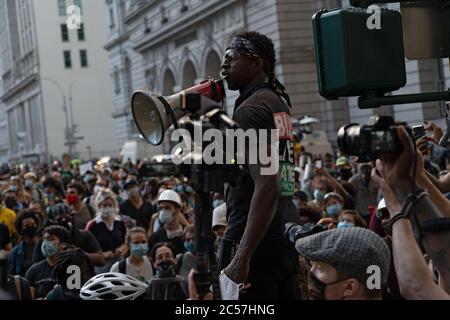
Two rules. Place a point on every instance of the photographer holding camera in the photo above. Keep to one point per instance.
(411, 209)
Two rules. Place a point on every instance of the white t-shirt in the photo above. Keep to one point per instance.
(143, 272)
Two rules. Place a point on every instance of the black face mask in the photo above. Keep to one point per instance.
(165, 269)
(30, 231)
(10, 203)
(320, 286)
(345, 174)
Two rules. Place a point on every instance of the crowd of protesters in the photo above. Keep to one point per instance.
(113, 220)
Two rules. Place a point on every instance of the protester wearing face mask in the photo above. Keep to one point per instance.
(350, 218)
(38, 207)
(60, 214)
(340, 260)
(40, 274)
(31, 187)
(108, 229)
(333, 205)
(22, 196)
(320, 190)
(21, 257)
(135, 207)
(344, 168)
(366, 191)
(170, 205)
(11, 200)
(187, 259)
(137, 265)
(53, 191)
(7, 216)
(166, 285)
(83, 212)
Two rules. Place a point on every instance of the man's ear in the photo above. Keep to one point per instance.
(352, 287)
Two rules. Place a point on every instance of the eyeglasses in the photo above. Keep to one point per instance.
(231, 55)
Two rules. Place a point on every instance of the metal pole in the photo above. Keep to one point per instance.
(67, 129)
(373, 101)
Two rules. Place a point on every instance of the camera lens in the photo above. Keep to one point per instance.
(349, 139)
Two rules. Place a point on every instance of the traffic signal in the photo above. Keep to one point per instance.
(354, 58)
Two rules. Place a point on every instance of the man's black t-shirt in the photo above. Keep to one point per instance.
(142, 216)
(40, 276)
(261, 108)
(5, 237)
(161, 236)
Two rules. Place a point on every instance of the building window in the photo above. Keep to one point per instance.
(112, 22)
(81, 35)
(164, 19)
(83, 58)
(64, 32)
(78, 4)
(67, 59)
(147, 28)
(62, 8)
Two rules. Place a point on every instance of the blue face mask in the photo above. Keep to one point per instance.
(28, 183)
(334, 209)
(190, 246)
(318, 195)
(217, 203)
(139, 250)
(345, 224)
(49, 249)
(14, 187)
(166, 216)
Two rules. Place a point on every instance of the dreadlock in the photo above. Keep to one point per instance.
(263, 47)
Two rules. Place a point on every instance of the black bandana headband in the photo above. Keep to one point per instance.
(244, 45)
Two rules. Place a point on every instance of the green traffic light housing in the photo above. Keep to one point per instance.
(354, 60)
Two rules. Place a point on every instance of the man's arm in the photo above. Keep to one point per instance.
(414, 279)
(398, 178)
(262, 211)
(443, 184)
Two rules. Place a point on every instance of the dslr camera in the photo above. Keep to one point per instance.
(366, 142)
(294, 231)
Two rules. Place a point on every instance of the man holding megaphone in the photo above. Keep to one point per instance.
(254, 252)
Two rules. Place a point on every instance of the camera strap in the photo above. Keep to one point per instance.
(410, 200)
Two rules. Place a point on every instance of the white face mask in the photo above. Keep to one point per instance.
(106, 213)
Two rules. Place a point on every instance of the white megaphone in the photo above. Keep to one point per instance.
(154, 114)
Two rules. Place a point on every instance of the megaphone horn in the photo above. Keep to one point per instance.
(154, 114)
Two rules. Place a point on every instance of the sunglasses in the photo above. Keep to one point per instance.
(231, 55)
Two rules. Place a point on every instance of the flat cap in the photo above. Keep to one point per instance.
(350, 251)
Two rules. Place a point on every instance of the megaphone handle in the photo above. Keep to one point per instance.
(169, 111)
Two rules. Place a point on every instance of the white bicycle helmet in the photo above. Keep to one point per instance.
(112, 286)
